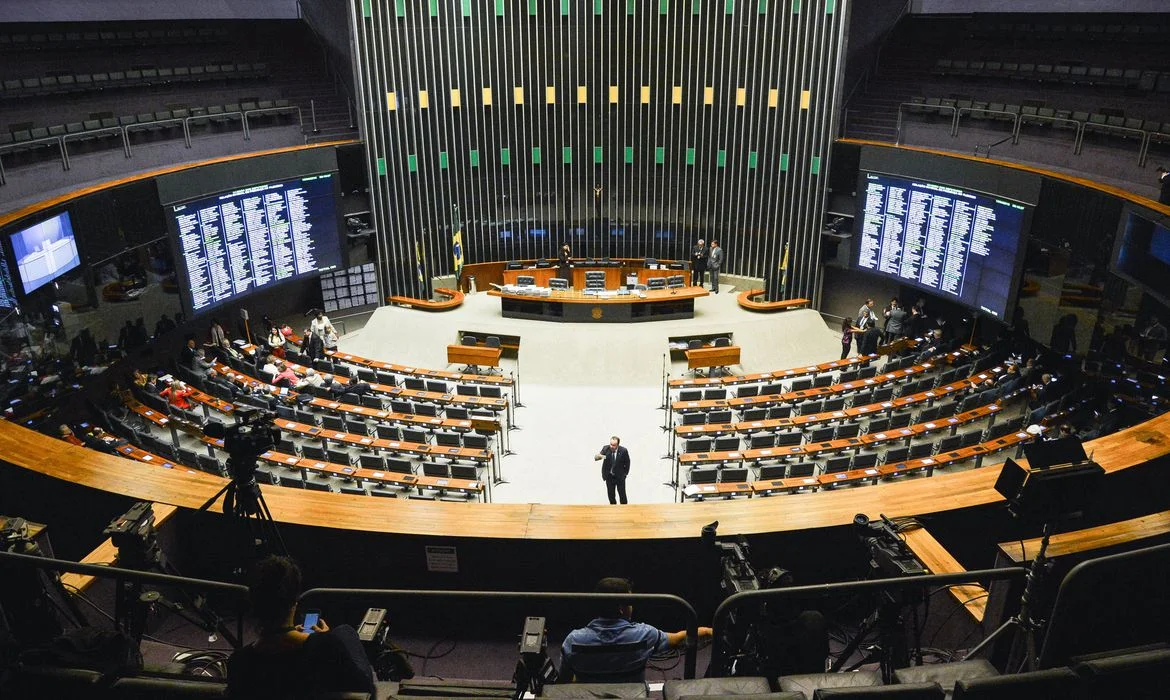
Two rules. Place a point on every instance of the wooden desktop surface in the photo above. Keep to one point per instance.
(40, 453)
(718, 356)
(577, 297)
(474, 355)
(1108, 535)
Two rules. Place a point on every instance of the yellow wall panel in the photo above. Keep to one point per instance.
(391, 101)
(676, 95)
(645, 94)
(773, 98)
(487, 97)
(805, 99)
(550, 95)
(740, 96)
(613, 94)
(456, 98)
(582, 94)
(518, 95)
(424, 100)
(708, 95)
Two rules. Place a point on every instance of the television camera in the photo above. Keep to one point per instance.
(253, 434)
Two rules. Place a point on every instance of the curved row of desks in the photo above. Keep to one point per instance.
(55, 458)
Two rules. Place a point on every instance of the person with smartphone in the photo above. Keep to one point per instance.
(289, 659)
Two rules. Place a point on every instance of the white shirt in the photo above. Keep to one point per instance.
(318, 326)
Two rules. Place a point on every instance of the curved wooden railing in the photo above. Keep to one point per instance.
(941, 492)
(453, 298)
(747, 300)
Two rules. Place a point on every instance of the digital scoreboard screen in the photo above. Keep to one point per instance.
(238, 242)
(962, 245)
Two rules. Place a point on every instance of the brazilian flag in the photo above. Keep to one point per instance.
(418, 259)
(457, 245)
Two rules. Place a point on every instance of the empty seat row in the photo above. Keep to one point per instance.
(17, 88)
(1034, 115)
(64, 40)
(1072, 74)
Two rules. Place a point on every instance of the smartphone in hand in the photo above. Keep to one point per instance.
(310, 621)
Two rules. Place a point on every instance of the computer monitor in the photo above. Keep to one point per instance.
(45, 251)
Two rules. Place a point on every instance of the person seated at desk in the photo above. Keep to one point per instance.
(269, 367)
(612, 648)
(285, 377)
(101, 441)
(288, 661)
(66, 433)
(176, 394)
(312, 378)
(341, 385)
(187, 354)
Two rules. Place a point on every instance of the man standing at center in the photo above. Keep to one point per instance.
(615, 466)
(714, 262)
(698, 264)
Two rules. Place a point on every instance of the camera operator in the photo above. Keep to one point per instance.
(612, 648)
(288, 661)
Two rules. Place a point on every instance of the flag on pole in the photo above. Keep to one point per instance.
(418, 259)
(784, 271)
(457, 245)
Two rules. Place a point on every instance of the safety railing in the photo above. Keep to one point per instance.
(233, 593)
(124, 132)
(874, 586)
(270, 110)
(23, 145)
(151, 125)
(690, 653)
(925, 109)
(1019, 121)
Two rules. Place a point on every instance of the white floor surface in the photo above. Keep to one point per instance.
(581, 383)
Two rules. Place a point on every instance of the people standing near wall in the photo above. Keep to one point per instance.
(699, 263)
(714, 262)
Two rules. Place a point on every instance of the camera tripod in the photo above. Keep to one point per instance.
(891, 651)
(242, 499)
(1028, 625)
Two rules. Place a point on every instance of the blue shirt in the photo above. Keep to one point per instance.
(643, 642)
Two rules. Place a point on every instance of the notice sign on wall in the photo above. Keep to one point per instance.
(442, 559)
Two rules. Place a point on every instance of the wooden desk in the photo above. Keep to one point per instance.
(408, 370)
(723, 356)
(480, 356)
(721, 489)
(577, 307)
(1154, 526)
(938, 560)
(764, 377)
(540, 275)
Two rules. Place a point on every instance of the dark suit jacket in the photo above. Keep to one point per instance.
(616, 464)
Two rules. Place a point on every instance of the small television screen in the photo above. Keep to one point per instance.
(237, 242)
(962, 245)
(45, 251)
(1141, 254)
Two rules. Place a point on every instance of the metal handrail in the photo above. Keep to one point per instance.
(92, 132)
(673, 601)
(1145, 136)
(209, 117)
(898, 132)
(182, 122)
(835, 589)
(1014, 115)
(1078, 139)
(235, 592)
(266, 110)
(20, 146)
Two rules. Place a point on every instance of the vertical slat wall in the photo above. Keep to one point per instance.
(625, 128)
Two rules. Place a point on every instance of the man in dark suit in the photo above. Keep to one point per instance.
(699, 264)
(615, 466)
(1163, 186)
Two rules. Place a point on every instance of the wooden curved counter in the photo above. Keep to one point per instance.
(452, 299)
(747, 300)
(941, 492)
